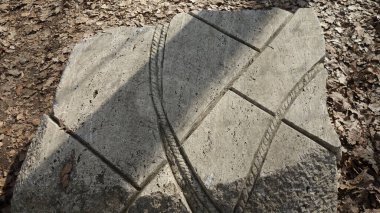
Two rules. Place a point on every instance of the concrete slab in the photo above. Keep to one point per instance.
(198, 116)
(59, 174)
(104, 98)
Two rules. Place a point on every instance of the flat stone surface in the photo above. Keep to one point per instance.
(296, 49)
(90, 184)
(104, 98)
(252, 26)
(292, 53)
(161, 195)
(309, 110)
(222, 146)
(207, 61)
(190, 117)
(298, 175)
(192, 77)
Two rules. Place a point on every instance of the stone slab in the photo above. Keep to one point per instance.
(199, 120)
(90, 184)
(252, 26)
(103, 97)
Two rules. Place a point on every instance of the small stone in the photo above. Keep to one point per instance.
(36, 122)
(12, 152)
(339, 29)
(20, 117)
(14, 73)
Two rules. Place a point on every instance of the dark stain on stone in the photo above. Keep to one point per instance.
(100, 178)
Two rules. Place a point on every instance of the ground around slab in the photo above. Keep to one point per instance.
(36, 38)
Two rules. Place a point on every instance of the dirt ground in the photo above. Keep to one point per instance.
(36, 37)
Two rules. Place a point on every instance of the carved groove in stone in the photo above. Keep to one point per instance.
(262, 151)
(193, 189)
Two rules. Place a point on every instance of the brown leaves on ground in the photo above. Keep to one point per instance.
(36, 38)
(352, 31)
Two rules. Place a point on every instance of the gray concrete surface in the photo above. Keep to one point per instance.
(221, 147)
(103, 97)
(61, 175)
(212, 112)
(250, 26)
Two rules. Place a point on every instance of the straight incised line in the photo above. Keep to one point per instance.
(144, 184)
(316, 139)
(224, 32)
(214, 102)
(257, 104)
(153, 174)
(267, 139)
(275, 34)
(323, 143)
(114, 168)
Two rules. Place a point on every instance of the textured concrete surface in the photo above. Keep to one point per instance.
(104, 98)
(296, 49)
(250, 26)
(298, 175)
(59, 174)
(309, 110)
(226, 142)
(162, 194)
(212, 112)
(189, 73)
